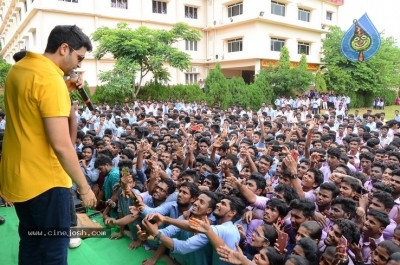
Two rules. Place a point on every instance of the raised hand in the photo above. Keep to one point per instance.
(199, 225)
(241, 231)
(158, 218)
(228, 255)
(247, 217)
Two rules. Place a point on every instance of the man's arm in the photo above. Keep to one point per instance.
(73, 126)
(58, 135)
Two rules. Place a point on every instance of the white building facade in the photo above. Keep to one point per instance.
(243, 36)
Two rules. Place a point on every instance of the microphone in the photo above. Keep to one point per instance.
(83, 94)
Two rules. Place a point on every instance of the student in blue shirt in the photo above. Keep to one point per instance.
(202, 209)
(227, 211)
(188, 193)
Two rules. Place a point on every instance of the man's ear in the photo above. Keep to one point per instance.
(209, 211)
(346, 215)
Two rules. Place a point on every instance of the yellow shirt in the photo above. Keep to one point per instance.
(34, 90)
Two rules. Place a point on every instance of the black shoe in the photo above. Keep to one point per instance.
(2, 220)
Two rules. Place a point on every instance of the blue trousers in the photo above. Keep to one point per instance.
(49, 211)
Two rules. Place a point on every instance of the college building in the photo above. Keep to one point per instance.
(242, 35)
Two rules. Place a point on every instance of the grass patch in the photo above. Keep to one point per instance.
(389, 111)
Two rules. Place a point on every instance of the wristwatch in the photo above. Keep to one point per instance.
(294, 176)
(157, 237)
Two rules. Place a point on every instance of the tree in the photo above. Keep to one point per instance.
(238, 89)
(283, 74)
(120, 81)
(263, 85)
(341, 75)
(217, 89)
(301, 77)
(320, 84)
(150, 49)
(4, 68)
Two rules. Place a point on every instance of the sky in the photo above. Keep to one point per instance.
(383, 13)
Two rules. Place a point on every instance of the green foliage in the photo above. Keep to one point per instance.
(287, 79)
(102, 93)
(4, 68)
(189, 93)
(150, 49)
(361, 99)
(262, 85)
(238, 89)
(282, 77)
(320, 84)
(379, 73)
(2, 102)
(216, 87)
(120, 80)
(301, 77)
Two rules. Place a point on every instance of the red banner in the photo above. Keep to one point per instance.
(335, 2)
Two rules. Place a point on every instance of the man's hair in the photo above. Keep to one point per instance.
(349, 230)
(382, 187)
(237, 205)
(390, 247)
(331, 187)
(385, 198)
(128, 152)
(382, 217)
(125, 163)
(193, 189)
(170, 184)
(309, 247)
(214, 180)
(274, 256)
(348, 205)
(297, 260)
(318, 176)
(19, 55)
(192, 174)
(102, 160)
(289, 193)
(354, 184)
(213, 198)
(259, 180)
(70, 35)
(279, 205)
(305, 205)
(313, 228)
(334, 152)
(369, 156)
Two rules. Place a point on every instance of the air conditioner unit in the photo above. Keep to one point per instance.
(193, 69)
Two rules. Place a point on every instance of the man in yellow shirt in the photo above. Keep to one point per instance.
(38, 159)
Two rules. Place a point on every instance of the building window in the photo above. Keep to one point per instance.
(190, 12)
(159, 7)
(277, 44)
(278, 8)
(191, 45)
(303, 47)
(235, 9)
(191, 78)
(304, 15)
(123, 4)
(235, 45)
(329, 16)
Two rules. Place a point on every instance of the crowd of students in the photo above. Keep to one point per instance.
(278, 185)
